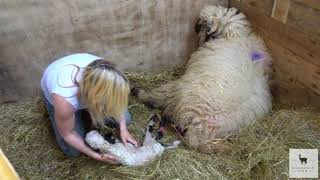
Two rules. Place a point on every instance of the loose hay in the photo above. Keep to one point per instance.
(260, 150)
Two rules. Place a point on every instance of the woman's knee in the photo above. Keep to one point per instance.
(71, 152)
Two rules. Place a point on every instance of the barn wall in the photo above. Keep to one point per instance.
(138, 35)
(291, 30)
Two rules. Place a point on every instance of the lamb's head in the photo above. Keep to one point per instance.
(221, 22)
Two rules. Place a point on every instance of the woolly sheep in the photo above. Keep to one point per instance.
(129, 155)
(225, 85)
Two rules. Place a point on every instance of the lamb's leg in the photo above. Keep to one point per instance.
(148, 139)
(175, 144)
(155, 98)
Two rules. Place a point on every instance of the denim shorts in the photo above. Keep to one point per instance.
(82, 124)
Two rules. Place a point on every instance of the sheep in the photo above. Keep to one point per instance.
(129, 155)
(225, 85)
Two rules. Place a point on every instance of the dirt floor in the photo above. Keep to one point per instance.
(258, 151)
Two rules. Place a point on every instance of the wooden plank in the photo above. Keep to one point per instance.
(6, 169)
(287, 90)
(264, 6)
(287, 87)
(294, 77)
(295, 66)
(301, 43)
(311, 3)
(280, 10)
(305, 18)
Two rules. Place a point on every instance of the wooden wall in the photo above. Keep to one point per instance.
(291, 30)
(137, 35)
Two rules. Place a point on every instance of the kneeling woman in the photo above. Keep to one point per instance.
(84, 82)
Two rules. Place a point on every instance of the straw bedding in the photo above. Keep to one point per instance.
(260, 150)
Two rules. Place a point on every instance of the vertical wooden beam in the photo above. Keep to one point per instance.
(280, 10)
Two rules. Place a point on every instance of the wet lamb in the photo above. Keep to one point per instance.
(129, 155)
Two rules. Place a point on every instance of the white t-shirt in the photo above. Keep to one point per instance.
(59, 77)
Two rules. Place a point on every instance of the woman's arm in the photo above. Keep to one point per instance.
(124, 133)
(65, 121)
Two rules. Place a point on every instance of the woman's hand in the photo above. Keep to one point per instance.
(107, 158)
(126, 137)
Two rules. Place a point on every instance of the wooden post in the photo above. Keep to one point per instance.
(7, 171)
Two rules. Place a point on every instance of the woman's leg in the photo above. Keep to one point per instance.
(79, 128)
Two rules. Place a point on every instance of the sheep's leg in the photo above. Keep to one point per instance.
(160, 132)
(155, 98)
(215, 146)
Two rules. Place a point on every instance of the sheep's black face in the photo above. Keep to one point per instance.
(202, 26)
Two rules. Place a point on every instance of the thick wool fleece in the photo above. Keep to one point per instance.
(225, 86)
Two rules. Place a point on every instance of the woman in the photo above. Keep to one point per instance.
(84, 81)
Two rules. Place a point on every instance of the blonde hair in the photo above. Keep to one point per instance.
(104, 90)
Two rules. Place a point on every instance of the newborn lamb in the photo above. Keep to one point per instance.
(129, 155)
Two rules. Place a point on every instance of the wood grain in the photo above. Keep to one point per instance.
(288, 90)
(280, 10)
(311, 3)
(264, 6)
(295, 66)
(304, 18)
(292, 38)
(295, 48)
